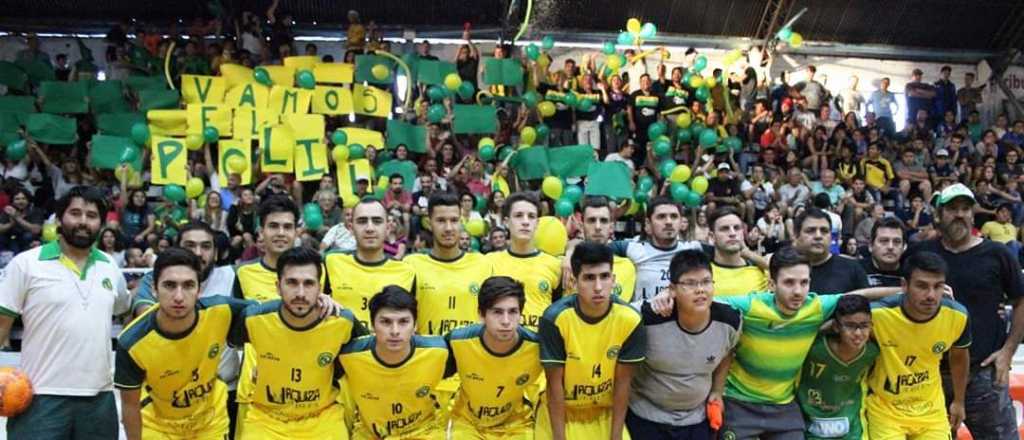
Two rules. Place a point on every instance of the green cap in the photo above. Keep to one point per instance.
(952, 192)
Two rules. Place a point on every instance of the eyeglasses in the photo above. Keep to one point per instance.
(855, 327)
(693, 284)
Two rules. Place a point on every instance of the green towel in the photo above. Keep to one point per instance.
(155, 99)
(413, 136)
(63, 97)
(118, 124)
(477, 119)
(52, 129)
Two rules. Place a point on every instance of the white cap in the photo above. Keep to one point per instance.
(724, 166)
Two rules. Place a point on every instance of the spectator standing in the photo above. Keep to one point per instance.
(884, 106)
(920, 96)
(945, 95)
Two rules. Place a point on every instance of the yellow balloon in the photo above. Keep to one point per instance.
(49, 232)
(194, 187)
(452, 81)
(614, 62)
(546, 108)
(340, 153)
(710, 82)
(551, 236)
(552, 187)
(796, 40)
(380, 72)
(633, 26)
(684, 120)
(699, 185)
(528, 135)
(680, 173)
(194, 142)
(476, 227)
(732, 57)
(633, 207)
(348, 201)
(237, 164)
(696, 81)
(485, 141)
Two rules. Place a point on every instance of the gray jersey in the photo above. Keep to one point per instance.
(651, 265)
(671, 386)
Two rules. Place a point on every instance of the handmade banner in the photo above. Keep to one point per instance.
(52, 129)
(475, 119)
(310, 149)
(433, 72)
(414, 137)
(228, 149)
(406, 168)
(154, 99)
(570, 161)
(504, 72)
(24, 104)
(248, 94)
(277, 149)
(283, 76)
(105, 152)
(611, 179)
(531, 163)
(108, 97)
(328, 100)
(63, 97)
(168, 122)
(118, 124)
(334, 73)
(249, 122)
(168, 161)
(365, 65)
(201, 89)
(371, 101)
(364, 137)
(201, 116)
(235, 74)
(300, 62)
(351, 171)
(289, 100)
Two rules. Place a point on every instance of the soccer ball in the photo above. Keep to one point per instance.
(15, 391)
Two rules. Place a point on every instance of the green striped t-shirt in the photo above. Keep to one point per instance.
(773, 346)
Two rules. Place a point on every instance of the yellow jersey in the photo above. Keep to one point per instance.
(396, 400)
(179, 371)
(296, 367)
(354, 282)
(625, 279)
(446, 291)
(541, 275)
(905, 383)
(493, 391)
(590, 349)
(736, 281)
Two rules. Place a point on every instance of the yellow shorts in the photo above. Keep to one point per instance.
(463, 430)
(347, 402)
(328, 425)
(220, 433)
(445, 395)
(881, 427)
(586, 424)
(208, 424)
(434, 430)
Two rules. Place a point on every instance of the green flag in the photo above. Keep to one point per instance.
(142, 82)
(38, 71)
(10, 122)
(153, 99)
(12, 76)
(118, 124)
(108, 97)
(406, 168)
(531, 163)
(503, 72)
(433, 72)
(52, 129)
(105, 152)
(570, 161)
(23, 104)
(63, 97)
(475, 119)
(611, 179)
(364, 69)
(414, 137)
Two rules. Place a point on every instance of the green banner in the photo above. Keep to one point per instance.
(406, 168)
(52, 129)
(154, 99)
(611, 179)
(433, 72)
(570, 161)
(531, 163)
(414, 137)
(12, 76)
(118, 124)
(503, 72)
(107, 97)
(475, 119)
(364, 69)
(63, 97)
(21, 104)
(105, 152)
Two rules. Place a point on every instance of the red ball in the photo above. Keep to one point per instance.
(15, 391)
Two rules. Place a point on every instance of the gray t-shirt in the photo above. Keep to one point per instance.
(651, 265)
(671, 386)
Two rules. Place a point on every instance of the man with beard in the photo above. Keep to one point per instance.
(598, 227)
(298, 347)
(984, 276)
(65, 293)
(829, 273)
(887, 246)
(734, 274)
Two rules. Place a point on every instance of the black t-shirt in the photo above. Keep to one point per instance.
(724, 188)
(838, 275)
(878, 277)
(645, 108)
(562, 119)
(34, 216)
(467, 69)
(983, 278)
(595, 97)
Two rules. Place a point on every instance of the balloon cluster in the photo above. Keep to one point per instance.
(565, 196)
(343, 151)
(794, 39)
(635, 32)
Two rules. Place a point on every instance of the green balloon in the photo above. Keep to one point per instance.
(662, 148)
(563, 207)
(314, 220)
(609, 48)
(480, 204)
(733, 143)
(666, 168)
(466, 90)
(683, 135)
(174, 193)
(708, 137)
(785, 33)
(702, 94)
(532, 52)
(140, 133)
(16, 150)
(696, 129)
(504, 153)
(129, 155)
(339, 137)
(487, 153)
(645, 183)
(700, 63)
(679, 192)
(262, 76)
(570, 99)
(656, 129)
(687, 76)
(305, 79)
(548, 42)
(211, 134)
(436, 113)
(435, 93)
(573, 193)
(474, 244)
(693, 199)
(356, 151)
(641, 196)
(531, 99)
(542, 131)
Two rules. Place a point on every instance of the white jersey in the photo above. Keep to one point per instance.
(651, 264)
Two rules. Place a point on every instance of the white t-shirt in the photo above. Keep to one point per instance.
(66, 349)
(616, 157)
(651, 265)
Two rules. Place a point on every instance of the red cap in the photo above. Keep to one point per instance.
(787, 101)
(466, 25)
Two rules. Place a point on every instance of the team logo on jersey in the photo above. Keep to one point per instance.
(543, 286)
(522, 379)
(423, 391)
(613, 352)
(214, 351)
(617, 290)
(474, 288)
(107, 284)
(939, 347)
(324, 359)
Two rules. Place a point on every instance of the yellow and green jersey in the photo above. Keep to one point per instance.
(494, 385)
(396, 400)
(541, 275)
(831, 391)
(354, 282)
(589, 349)
(773, 346)
(446, 291)
(734, 281)
(625, 279)
(906, 384)
(254, 280)
(295, 371)
(179, 371)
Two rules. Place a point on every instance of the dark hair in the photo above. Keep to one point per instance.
(812, 68)
(889, 223)
(590, 253)
(785, 258)
(89, 194)
(394, 175)
(924, 261)
(724, 211)
(118, 239)
(20, 190)
(275, 204)
(822, 201)
(392, 297)
(520, 196)
(596, 202)
(195, 225)
(852, 304)
(687, 261)
(498, 287)
(175, 256)
(659, 201)
(299, 256)
(442, 199)
(812, 212)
